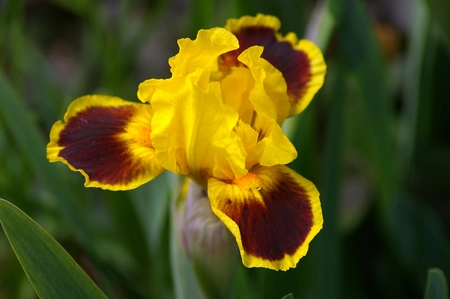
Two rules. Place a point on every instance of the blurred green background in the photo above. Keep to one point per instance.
(375, 141)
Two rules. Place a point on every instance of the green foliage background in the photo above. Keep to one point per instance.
(375, 140)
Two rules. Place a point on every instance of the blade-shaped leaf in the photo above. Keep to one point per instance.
(439, 9)
(436, 285)
(50, 269)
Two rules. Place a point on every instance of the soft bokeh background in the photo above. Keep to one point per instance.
(375, 140)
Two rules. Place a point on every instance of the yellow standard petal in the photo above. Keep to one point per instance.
(258, 93)
(193, 130)
(269, 93)
(273, 213)
(108, 140)
(199, 55)
(274, 147)
(202, 53)
(236, 88)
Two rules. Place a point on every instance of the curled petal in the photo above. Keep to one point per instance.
(300, 62)
(265, 143)
(274, 147)
(258, 93)
(236, 87)
(249, 137)
(148, 88)
(269, 94)
(273, 213)
(202, 53)
(108, 140)
(259, 87)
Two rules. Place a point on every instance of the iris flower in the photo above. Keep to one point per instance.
(218, 121)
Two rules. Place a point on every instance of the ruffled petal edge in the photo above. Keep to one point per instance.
(108, 141)
(273, 212)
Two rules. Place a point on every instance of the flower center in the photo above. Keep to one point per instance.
(141, 135)
(248, 181)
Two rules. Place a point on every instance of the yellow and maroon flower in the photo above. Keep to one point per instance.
(300, 62)
(108, 140)
(217, 120)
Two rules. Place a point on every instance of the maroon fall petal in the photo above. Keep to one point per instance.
(279, 225)
(92, 142)
(293, 64)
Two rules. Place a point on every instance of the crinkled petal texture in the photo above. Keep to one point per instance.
(300, 62)
(108, 140)
(192, 130)
(195, 56)
(202, 53)
(258, 93)
(273, 212)
(257, 87)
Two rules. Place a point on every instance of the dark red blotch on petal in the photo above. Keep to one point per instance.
(293, 64)
(278, 227)
(92, 144)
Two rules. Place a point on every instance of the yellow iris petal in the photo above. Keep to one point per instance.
(269, 94)
(202, 53)
(199, 55)
(258, 87)
(274, 148)
(248, 135)
(148, 88)
(258, 93)
(236, 88)
(192, 130)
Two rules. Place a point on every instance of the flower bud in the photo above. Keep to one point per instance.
(209, 245)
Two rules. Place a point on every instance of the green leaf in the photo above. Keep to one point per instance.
(19, 119)
(439, 9)
(329, 260)
(50, 269)
(421, 238)
(359, 48)
(436, 285)
(321, 25)
(421, 51)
